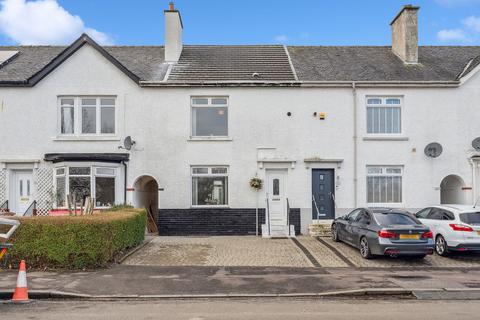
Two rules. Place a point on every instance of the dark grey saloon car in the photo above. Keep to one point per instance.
(389, 232)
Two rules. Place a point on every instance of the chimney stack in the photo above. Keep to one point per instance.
(173, 34)
(405, 34)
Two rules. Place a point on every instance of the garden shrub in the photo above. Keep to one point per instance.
(77, 242)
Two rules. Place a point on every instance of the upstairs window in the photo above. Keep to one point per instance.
(209, 116)
(87, 116)
(384, 115)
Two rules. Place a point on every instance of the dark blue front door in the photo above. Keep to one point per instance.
(323, 194)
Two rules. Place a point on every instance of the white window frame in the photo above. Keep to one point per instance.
(384, 104)
(209, 105)
(93, 174)
(77, 117)
(384, 173)
(210, 174)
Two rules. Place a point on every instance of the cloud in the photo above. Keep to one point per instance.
(281, 38)
(43, 22)
(472, 23)
(452, 35)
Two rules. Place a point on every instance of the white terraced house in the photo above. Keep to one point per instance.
(326, 129)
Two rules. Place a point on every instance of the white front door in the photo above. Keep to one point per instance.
(277, 203)
(23, 191)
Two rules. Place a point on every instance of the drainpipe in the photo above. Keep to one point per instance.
(355, 142)
(125, 182)
(474, 181)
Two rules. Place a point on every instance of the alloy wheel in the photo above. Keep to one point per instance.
(441, 246)
(364, 248)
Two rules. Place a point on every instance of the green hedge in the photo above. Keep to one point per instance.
(81, 242)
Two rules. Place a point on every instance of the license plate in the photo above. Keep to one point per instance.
(410, 236)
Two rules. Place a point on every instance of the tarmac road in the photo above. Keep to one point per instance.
(260, 309)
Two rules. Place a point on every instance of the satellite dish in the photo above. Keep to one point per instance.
(128, 143)
(433, 150)
(476, 144)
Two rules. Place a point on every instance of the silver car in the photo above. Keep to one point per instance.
(389, 232)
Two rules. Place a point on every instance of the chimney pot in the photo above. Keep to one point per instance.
(405, 34)
(171, 6)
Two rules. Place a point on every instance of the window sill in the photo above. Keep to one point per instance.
(86, 138)
(209, 139)
(385, 138)
(210, 207)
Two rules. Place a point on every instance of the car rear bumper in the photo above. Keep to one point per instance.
(465, 247)
(406, 249)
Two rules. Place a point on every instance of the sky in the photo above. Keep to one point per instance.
(294, 22)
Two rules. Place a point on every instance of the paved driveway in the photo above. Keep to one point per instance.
(250, 251)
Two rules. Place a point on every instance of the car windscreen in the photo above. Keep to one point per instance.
(394, 218)
(470, 217)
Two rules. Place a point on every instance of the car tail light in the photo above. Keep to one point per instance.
(460, 227)
(427, 235)
(387, 234)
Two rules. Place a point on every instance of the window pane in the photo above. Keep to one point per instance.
(108, 119)
(209, 191)
(80, 188)
(60, 171)
(221, 101)
(393, 170)
(370, 119)
(89, 102)
(393, 101)
(104, 191)
(374, 170)
(200, 170)
(200, 101)
(105, 171)
(67, 102)
(219, 170)
(60, 194)
(370, 190)
(383, 120)
(374, 101)
(210, 121)
(84, 171)
(107, 102)
(276, 187)
(67, 120)
(89, 121)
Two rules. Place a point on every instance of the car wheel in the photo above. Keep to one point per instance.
(441, 246)
(335, 233)
(365, 249)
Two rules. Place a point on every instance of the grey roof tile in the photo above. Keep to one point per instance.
(238, 63)
(235, 63)
(365, 63)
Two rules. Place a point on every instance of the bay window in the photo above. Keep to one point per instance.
(209, 186)
(83, 181)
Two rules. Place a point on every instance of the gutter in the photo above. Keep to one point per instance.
(303, 84)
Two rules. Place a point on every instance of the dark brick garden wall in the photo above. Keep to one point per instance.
(208, 221)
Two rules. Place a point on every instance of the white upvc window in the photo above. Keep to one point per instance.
(87, 116)
(384, 115)
(209, 186)
(209, 116)
(384, 185)
(84, 181)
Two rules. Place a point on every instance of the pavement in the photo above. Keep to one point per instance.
(260, 309)
(250, 266)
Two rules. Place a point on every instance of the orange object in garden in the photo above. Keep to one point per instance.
(21, 291)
